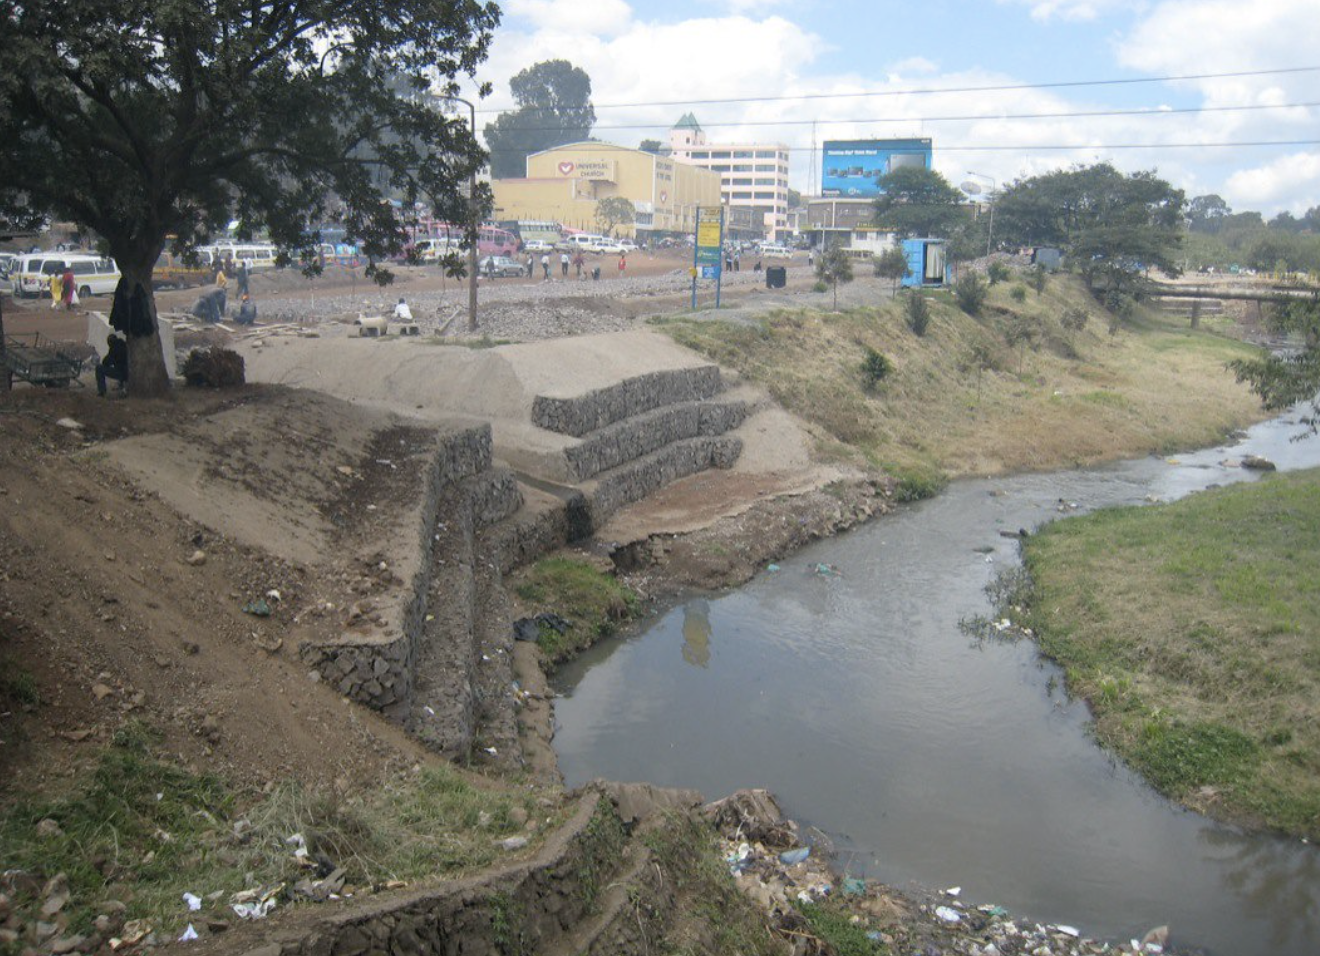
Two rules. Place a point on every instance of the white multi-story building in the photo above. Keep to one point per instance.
(752, 175)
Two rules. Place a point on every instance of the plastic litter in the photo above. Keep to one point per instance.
(257, 608)
(793, 857)
(826, 570)
(1072, 931)
(991, 910)
(194, 902)
(772, 567)
(953, 890)
(188, 934)
(853, 886)
(874, 936)
(253, 910)
(948, 915)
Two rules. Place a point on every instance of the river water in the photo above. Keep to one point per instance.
(928, 757)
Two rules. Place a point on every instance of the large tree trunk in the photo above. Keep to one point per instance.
(147, 375)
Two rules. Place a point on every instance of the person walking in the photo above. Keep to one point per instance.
(70, 286)
(545, 265)
(56, 289)
(623, 264)
(531, 265)
(222, 284)
(579, 260)
(563, 264)
(242, 279)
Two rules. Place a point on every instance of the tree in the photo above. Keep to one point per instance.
(998, 272)
(651, 146)
(614, 211)
(1114, 226)
(1284, 379)
(893, 265)
(916, 310)
(1207, 213)
(171, 119)
(794, 199)
(917, 202)
(970, 291)
(834, 266)
(554, 108)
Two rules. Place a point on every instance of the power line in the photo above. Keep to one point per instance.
(1127, 81)
(1028, 147)
(1143, 111)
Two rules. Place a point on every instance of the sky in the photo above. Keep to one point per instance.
(677, 53)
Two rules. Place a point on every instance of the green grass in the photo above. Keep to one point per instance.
(833, 924)
(145, 831)
(17, 685)
(1194, 631)
(1071, 397)
(594, 604)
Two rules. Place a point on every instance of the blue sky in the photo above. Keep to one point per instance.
(640, 54)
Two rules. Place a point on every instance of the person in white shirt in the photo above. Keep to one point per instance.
(402, 312)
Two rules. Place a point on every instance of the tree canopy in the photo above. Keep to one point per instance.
(1284, 379)
(167, 120)
(615, 211)
(554, 107)
(1114, 226)
(918, 202)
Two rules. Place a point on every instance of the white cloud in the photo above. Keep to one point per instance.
(595, 16)
(913, 64)
(1072, 9)
(1285, 183)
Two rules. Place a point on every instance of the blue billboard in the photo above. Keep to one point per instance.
(850, 167)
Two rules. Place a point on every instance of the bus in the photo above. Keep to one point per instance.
(491, 240)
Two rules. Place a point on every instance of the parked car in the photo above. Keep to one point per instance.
(538, 246)
(7, 262)
(628, 245)
(584, 241)
(495, 267)
(774, 251)
(93, 275)
(609, 247)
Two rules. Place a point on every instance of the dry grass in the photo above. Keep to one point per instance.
(1194, 631)
(1079, 398)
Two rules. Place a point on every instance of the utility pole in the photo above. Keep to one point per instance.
(474, 225)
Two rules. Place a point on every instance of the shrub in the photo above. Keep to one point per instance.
(1037, 278)
(820, 287)
(917, 312)
(875, 369)
(971, 291)
(1018, 293)
(1074, 319)
(998, 272)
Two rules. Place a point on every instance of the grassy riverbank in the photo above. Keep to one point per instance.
(961, 400)
(1193, 629)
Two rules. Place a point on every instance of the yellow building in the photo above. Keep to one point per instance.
(565, 183)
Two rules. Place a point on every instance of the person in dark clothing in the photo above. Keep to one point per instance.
(114, 365)
(247, 311)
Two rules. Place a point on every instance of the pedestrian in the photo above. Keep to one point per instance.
(229, 264)
(737, 262)
(811, 258)
(247, 311)
(545, 265)
(623, 264)
(531, 265)
(563, 264)
(402, 312)
(242, 278)
(221, 284)
(56, 289)
(70, 286)
(578, 261)
(114, 365)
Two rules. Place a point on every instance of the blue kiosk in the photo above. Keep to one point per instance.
(928, 263)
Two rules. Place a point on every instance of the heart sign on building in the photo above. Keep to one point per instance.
(566, 169)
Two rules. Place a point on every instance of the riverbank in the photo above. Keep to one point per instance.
(1191, 630)
(1012, 389)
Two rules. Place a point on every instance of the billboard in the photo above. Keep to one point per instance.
(851, 167)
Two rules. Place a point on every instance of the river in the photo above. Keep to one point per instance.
(928, 757)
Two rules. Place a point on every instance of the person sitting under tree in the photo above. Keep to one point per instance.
(114, 365)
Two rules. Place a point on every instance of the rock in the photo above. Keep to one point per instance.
(191, 647)
(513, 843)
(217, 925)
(1257, 463)
(68, 423)
(65, 944)
(1159, 936)
(197, 558)
(518, 817)
(101, 691)
(49, 828)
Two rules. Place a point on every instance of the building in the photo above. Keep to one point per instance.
(754, 175)
(850, 168)
(564, 184)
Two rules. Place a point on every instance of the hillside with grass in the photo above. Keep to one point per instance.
(1034, 380)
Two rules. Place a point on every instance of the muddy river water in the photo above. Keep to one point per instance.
(927, 757)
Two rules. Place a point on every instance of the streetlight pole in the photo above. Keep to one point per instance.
(472, 216)
(990, 201)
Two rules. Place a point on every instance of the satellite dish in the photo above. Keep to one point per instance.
(971, 188)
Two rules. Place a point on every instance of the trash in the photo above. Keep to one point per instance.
(1155, 940)
(253, 910)
(1072, 931)
(953, 890)
(513, 843)
(826, 570)
(875, 936)
(794, 857)
(739, 859)
(991, 910)
(188, 934)
(194, 902)
(273, 594)
(853, 886)
(772, 567)
(529, 628)
(258, 608)
(197, 558)
(68, 423)
(492, 751)
(299, 844)
(948, 915)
